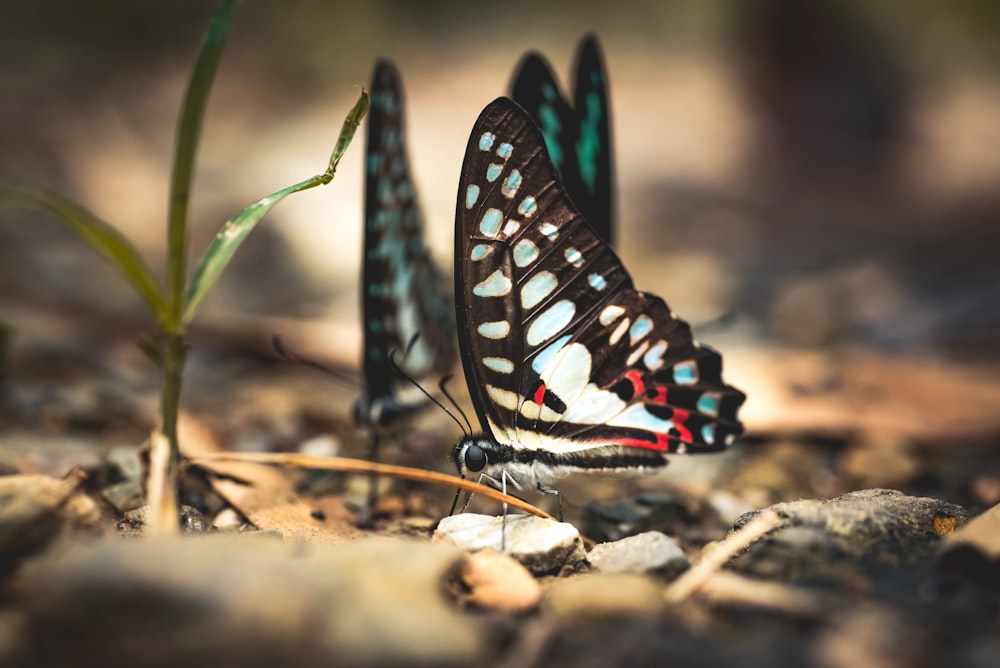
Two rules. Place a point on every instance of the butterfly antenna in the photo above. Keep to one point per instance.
(444, 390)
(340, 377)
(399, 370)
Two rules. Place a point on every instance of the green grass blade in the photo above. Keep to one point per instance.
(347, 130)
(99, 235)
(188, 135)
(219, 253)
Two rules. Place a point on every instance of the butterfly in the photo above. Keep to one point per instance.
(569, 367)
(577, 135)
(405, 304)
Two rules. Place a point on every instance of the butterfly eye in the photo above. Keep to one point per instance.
(475, 458)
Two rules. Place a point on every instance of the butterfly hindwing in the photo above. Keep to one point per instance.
(577, 135)
(561, 353)
(405, 307)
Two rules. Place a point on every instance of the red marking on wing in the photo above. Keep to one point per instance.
(660, 397)
(679, 418)
(635, 377)
(539, 394)
(662, 443)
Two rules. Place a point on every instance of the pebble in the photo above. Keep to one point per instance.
(228, 520)
(125, 461)
(650, 552)
(610, 521)
(542, 545)
(497, 582)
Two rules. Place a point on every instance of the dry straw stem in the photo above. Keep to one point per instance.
(361, 466)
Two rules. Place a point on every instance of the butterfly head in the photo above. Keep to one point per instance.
(476, 454)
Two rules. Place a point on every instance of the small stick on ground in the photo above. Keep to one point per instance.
(690, 582)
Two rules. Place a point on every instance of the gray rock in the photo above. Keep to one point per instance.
(125, 460)
(242, 602)
(866, 532)
(613, 520)
(649, 552)
(542, 545)
(125, 495)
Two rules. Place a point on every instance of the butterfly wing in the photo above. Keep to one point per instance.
(404, 305)
(561, 353)
(593, 138)
(577, 136)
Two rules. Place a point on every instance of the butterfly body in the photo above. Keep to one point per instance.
(537, 467)
(569, 367)
(405, 306)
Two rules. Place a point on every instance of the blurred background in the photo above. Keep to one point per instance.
(815, 186)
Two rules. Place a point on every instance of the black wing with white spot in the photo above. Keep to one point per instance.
(561, 353)
(577, 135)
(406, 307)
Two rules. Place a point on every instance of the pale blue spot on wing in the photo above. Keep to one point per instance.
(537, 288)
(686, 373)
(486, 141)
(525, 252)
(496, 285)
(597, 282)
(479, 251)
(499, 364)
(527, 206)
(494, 330)
(471, 196)
(543, 358)
(549, 230)
(637, 417)
(493, 171)
(504, 150)
(708, 403)
(642, 326)
(490, 223)
(550, 322)
(574, 257)
(511, 184)
(708, 434)
(653, 359)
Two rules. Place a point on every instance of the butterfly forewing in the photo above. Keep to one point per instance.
(577, 136)
(404, 306)
(560, 352)
(593, 139)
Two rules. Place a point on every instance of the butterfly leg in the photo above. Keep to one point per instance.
(548, 490)
(503, 525)
(366, 518)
